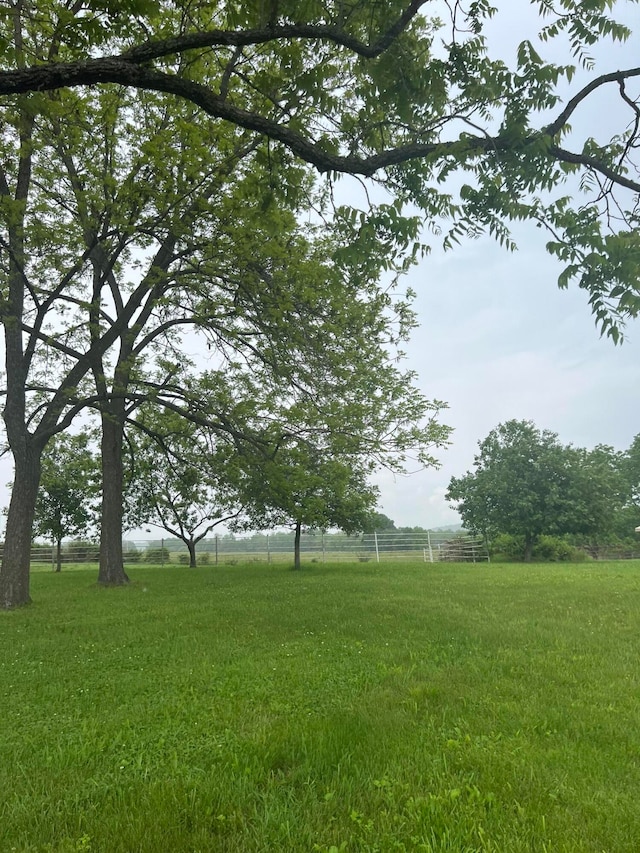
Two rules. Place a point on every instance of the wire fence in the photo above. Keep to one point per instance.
(278, 547)
(229, 549)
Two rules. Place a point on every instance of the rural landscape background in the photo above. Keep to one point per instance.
(320, 400)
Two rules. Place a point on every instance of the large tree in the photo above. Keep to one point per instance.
(230, 260)
(104, 139)
(215, 246)
(526, 483)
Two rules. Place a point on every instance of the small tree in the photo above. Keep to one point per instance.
(184, 478)
(302, 487)
(527, 484)
(69, 489)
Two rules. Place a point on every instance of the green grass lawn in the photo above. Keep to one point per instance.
(347, 708)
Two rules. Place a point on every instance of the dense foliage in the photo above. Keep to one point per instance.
(69, 490)
(159, 171)
(526, 484)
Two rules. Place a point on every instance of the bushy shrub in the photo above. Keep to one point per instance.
(204, 559)
(157, 555)
(553, 549)
(507, 547)
(548, 549)
(81, 551)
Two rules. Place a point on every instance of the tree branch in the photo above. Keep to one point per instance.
(125, 70)
(614, 77)
(244, 38)
(597, 165)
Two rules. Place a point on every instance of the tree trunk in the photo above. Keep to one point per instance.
(16, 558)
(191, 545)
(529, 542)
(59, 554)
(296, 547)
(111, 572)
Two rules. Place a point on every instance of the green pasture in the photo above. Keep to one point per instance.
(361, 707)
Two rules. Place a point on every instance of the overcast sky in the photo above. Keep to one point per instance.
(499, 340)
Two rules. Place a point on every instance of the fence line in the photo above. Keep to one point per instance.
(273, 547)
(427, 546)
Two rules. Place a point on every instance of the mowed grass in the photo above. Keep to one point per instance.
(348, 708)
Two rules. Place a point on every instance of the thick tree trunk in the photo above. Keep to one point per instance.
(191, 545)
(111, 572)
(59, 554)
(296, 547)
(16, 558)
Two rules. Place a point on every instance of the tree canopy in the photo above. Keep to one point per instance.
(133, 234)
(391, 90)
(526, 483)
(159, 168)
(313, 487)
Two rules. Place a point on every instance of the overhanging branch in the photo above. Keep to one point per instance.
(597, 165)
(614, 77)
(123, 71)
(244, 38)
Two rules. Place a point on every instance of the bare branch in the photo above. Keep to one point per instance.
(614, 77)
(597, 165)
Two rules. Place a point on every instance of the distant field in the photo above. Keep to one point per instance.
(361, 707)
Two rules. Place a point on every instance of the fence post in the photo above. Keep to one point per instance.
(429, 543)
(216, 538)
(375, 537)
(322, 539)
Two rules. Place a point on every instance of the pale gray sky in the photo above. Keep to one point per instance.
(499, 340)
